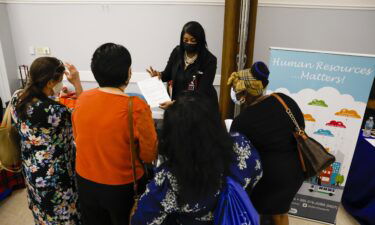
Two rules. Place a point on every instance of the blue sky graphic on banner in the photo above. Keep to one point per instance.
(332, 91)
(349, 74)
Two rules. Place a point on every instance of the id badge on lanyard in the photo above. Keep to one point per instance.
(193, 84)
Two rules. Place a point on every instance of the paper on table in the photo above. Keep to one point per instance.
(371, 141)
(154, 91)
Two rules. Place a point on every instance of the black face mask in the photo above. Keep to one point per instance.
(190, 48)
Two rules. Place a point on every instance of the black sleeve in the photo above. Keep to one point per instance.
(237, 125)
(208, 77)
(166, 75)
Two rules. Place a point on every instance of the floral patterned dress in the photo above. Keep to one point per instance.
(158, 205)
(48, 153)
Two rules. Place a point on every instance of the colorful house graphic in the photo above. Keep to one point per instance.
(348, 113)
(325, 175)
(318, 102)
(334, 123)
(323, 132)
(309, 117)
(336, 166)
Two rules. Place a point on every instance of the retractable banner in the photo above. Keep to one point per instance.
(332, 90)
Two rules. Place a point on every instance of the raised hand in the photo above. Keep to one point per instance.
(153, 72)
(72, 74)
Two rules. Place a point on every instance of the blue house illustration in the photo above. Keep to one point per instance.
(335, 171)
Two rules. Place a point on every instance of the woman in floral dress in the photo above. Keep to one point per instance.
(47, 147)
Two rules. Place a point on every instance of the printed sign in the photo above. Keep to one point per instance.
(332, 90)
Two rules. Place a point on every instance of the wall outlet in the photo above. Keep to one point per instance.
(43, 51)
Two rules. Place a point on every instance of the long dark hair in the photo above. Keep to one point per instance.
(196, 145)
(196, 30)
(42, 70)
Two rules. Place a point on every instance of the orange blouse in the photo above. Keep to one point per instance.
(101, 132)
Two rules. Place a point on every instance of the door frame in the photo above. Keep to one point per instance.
(4, 82)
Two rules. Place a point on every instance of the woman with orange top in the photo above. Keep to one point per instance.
(101, 131)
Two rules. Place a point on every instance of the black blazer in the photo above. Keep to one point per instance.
(204, 68)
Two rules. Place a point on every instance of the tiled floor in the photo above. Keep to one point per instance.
(343, 218)
(14, 211)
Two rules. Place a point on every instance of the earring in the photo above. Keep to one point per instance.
(242, 100)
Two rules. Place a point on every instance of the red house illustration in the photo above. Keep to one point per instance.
(325, 175)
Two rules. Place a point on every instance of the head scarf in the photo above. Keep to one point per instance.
(253, 81)
(244, 81)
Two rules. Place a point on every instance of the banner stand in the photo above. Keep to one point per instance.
(307, 219)
(332, 90)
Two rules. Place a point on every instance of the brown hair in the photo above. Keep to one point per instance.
(42, 70)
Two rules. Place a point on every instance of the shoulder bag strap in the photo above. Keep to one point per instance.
(7, 118)
(290, 114)
(132, 145)
(300, 132)
(259, 100)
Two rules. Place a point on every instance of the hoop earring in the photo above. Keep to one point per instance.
(242, 100)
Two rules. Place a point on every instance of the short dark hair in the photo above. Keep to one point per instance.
(110, 64)
(196, 145)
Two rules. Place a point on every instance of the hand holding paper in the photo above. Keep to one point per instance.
(166, 104)
(154, 91)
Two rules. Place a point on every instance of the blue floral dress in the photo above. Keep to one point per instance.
(158, 205)
(48, 153)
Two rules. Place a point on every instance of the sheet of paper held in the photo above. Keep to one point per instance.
(154, 91)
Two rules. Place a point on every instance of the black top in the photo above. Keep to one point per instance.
(204, 69)
(269, 128)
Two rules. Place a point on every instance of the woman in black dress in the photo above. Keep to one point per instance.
(264, 121)
(191, 66)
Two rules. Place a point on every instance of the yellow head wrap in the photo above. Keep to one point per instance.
(244, 80)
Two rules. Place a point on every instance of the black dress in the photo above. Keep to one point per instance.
(269, 128)
(204, 69)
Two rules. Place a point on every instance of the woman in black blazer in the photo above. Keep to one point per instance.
(191, 66)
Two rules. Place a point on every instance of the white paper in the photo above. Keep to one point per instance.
(371, 141)
(228, 124)
(157, 113)
(154, 91)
